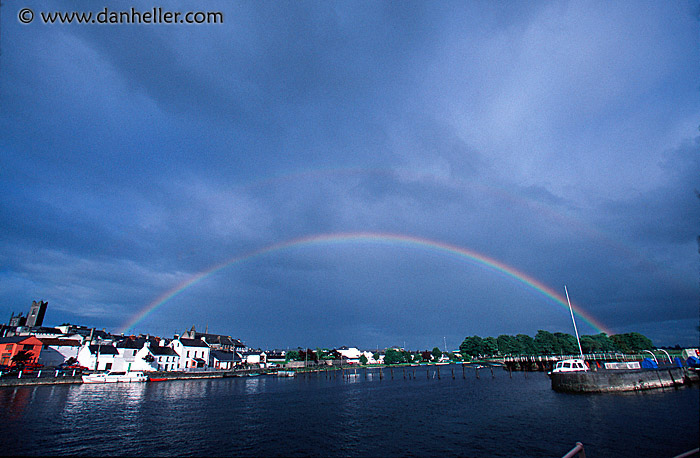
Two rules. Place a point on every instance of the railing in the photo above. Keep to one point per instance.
(587, 356)
(40, 373)
(576, 451)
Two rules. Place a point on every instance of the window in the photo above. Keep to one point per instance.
(8, 347)
(188, 353)
(108, 366)
(28, 347)
(134, 354)
(567, 364)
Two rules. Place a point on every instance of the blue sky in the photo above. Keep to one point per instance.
(560, 139)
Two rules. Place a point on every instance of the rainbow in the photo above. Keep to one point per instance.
(385, 238)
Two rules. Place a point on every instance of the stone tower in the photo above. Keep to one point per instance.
(36, 313)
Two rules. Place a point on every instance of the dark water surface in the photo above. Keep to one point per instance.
(326, 415)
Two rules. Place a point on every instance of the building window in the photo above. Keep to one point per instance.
(134, 354)
(108, 366)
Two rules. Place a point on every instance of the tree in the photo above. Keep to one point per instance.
(545, 342)
(22, 358)
(489, 346)
(308, 355)
(471, 346)
(363, 359)
(565, 343)
(526, 344)
(426, 355)
(589, 344)
(508, 345)
(437, 353)
(392, 356)
(631, 342)
(292, 355)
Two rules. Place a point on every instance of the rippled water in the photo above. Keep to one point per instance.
(326, 415)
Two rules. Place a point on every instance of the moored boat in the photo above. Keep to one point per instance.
(570, 365)
(115, 377)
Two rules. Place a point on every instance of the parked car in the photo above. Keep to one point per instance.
(31, 367)
(71, 367)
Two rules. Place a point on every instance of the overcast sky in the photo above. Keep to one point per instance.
(558, 138)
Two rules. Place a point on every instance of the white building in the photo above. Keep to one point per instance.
(193, 353)
(350, 355)
(98, 357)
(370, 357)
(58, 351)
(254, 358)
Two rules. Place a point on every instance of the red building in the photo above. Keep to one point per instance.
(10, 346)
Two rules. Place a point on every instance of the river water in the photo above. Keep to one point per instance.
(360, 415)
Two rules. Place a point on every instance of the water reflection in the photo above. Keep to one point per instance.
(14, 401)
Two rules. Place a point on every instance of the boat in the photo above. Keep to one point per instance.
(156, 379)
(115, 377)
(570, 365)
(573, 376)
(286, 373)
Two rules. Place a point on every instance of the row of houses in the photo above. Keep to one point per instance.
(100, 351)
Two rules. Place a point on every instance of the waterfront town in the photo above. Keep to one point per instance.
(27, 344)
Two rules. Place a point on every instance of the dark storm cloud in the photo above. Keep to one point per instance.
(556, 138)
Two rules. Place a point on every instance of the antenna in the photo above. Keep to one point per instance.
(574, 321)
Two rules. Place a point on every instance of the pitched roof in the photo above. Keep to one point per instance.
(163, 351)
(60, 342)
(226, 356)
(15, 339)
(137, 342)
(193, 342)
(219, 339)
(104, 349)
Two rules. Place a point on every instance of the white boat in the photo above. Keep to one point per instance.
(115, 377)
(570, 365)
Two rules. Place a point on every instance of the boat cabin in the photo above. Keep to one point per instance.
(570, 365)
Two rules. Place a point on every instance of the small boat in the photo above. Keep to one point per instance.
(115, 377)
(157, 379)
(570, 365)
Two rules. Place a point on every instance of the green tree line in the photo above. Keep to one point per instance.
(547, 343)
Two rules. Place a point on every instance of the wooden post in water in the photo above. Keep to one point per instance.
(414, 374)
(453, 373)
(492, 376)
(477, 372)
(427, 372)
(463, 374)
(510, 372)
(404, 373)
(438, 371)
(381, 375)
(392, 373)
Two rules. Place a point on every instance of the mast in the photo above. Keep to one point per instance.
(573, 321)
